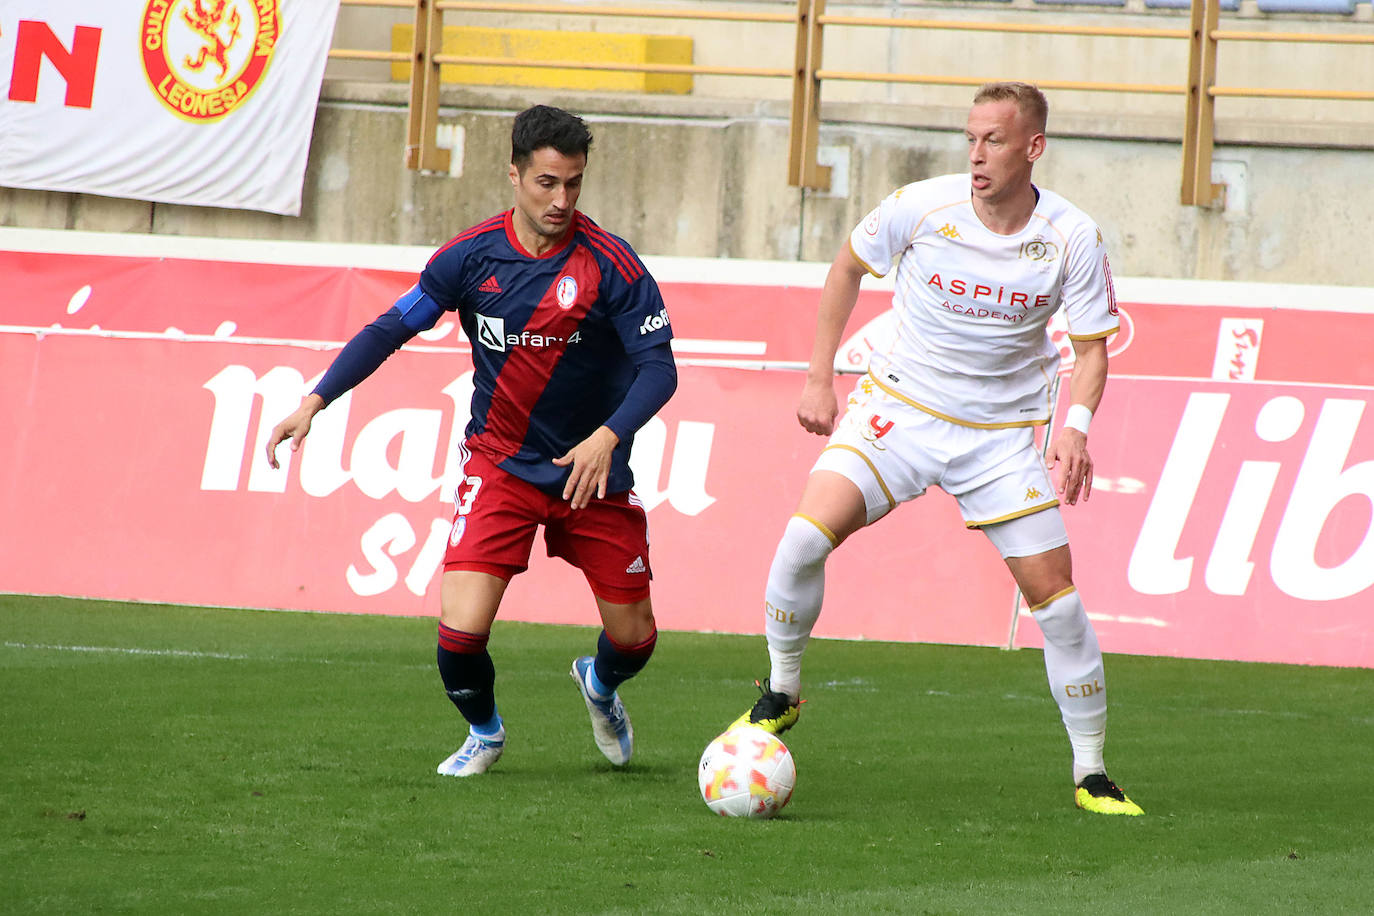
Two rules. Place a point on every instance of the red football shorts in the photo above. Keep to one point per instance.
(496, 515)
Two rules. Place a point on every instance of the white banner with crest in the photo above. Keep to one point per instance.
(207, 102)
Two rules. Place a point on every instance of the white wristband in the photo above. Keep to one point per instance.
(1078, 417)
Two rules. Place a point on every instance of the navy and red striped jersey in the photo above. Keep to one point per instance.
(552, 339)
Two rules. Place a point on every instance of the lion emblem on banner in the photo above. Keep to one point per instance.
(204, 57)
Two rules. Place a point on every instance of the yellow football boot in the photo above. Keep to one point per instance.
(1098, 794)
(772, 712)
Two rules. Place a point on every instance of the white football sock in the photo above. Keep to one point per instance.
(792, 599)
(1073, 661)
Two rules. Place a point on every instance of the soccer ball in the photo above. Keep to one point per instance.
(746, 772)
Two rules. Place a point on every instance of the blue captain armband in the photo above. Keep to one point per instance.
(417, 310)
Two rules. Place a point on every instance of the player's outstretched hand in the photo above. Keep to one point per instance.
(295, 427)
(591, 466)
(818, 408)
(1070, 454)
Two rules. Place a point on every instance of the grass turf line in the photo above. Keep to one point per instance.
(174, 760)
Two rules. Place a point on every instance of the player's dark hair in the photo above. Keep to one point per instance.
(1029, 100)
(544, 125)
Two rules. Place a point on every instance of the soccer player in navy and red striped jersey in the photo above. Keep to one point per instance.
(570, 347)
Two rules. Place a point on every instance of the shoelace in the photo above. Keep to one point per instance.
(770, 704)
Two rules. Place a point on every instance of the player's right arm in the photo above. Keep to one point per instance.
(819, 408)
(415, 311)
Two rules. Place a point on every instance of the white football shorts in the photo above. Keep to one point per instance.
(893, 451)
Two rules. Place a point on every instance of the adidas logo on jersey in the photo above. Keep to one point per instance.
(489, 285)
(636, 567)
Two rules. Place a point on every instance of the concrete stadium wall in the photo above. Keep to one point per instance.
(704, 175)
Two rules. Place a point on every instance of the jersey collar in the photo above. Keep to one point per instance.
(573, 225)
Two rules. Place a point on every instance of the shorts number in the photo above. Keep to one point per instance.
(879, 428)
(466, 499)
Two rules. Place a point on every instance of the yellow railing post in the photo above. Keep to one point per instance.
(422, 122)
(1199, 128)
(802, 168)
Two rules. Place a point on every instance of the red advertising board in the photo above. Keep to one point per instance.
(1231, 516)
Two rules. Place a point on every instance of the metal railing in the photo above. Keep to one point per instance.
(808, 74)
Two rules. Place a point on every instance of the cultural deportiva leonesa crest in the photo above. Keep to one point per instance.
(204, 57)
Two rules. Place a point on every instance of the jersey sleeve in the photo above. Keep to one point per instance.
(1088, 296)
(637, 310)
(883, 235)
(442, 278)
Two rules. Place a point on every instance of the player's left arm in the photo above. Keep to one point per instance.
(1090, 306)
(640, 319)
(654, 383)
(1069, 451)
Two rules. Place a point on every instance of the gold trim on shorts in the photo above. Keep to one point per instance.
(891, 501)
(1006, 518)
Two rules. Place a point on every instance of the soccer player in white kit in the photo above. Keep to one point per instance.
(983, 260)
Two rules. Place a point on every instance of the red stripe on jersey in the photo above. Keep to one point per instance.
(485, 225)
(611, 247)
(527, 369)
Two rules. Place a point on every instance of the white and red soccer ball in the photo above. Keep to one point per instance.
(746, 772)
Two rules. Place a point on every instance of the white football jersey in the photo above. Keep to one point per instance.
(973, 306)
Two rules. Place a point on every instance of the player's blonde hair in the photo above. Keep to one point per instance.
(1030, 101)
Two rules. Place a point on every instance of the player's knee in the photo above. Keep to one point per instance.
(1063, 620)
(630, 620)
(617, 662)
(804, 547)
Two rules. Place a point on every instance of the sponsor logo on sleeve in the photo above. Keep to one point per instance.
(654, 322)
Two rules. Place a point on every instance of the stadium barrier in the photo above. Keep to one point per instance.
(140, 377)
(797, 40)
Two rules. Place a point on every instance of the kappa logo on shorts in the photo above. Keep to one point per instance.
(1033, 493)
(636, 567)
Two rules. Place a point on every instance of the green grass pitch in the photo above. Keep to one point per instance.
(183, 760)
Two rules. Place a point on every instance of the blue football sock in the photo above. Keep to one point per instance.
(488, 729)
(598, 689)
(615, 664)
